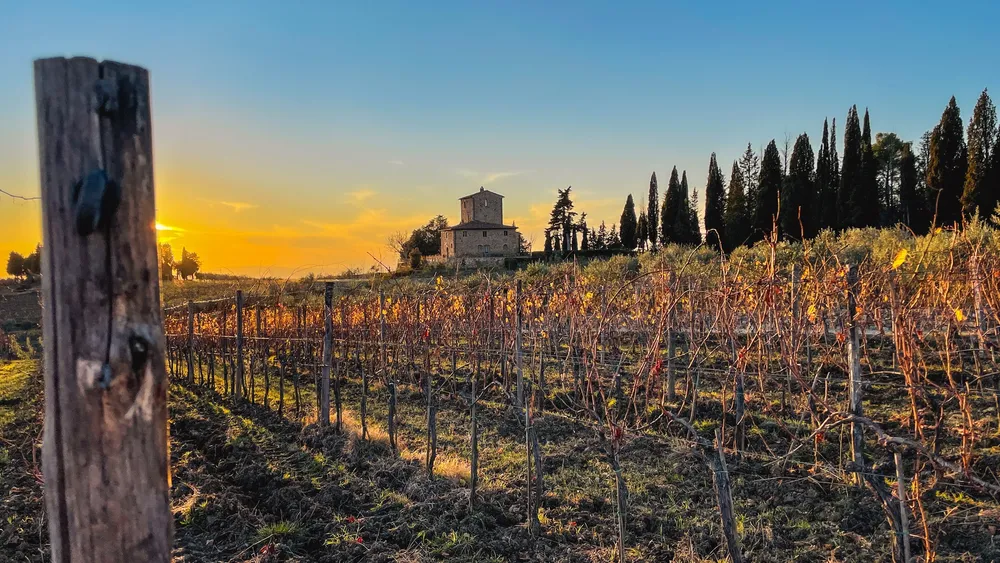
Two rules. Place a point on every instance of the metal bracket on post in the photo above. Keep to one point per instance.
(95, 201)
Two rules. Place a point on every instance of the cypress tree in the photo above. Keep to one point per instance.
(766, 204)
(832, 217)
(614, 241)
(581, 226)
(868, 200)
(715, 205)
(668, 213)
(980, 194)
(548, 242)
(994, 177)
(750, 171)
(602, 237)
(946, 167)
(737, 219)
(629, 225)
(642, 230)
(848, 197)
(693, 234)
(909, 199)
(822, 179)
(797, 201)
(653, 212)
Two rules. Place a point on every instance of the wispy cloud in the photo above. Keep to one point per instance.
(488, 177)
(362, 195)
(396, 162)
(494, 176)
(238, 206)
(366, 225)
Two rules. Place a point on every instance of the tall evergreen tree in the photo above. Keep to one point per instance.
(797, 201)
(946, 167)
(822, 178)
(888, 149)
(693, 234)
(601, 239)
(994, 177)
(653, 212)
(766, 204)
(629, 225)
(868, 199)
(715, 205)
(980, 194)
(849, 199)
(737, 217)
(750, 171)
(671, 205)
(642, 230)
(910, 202)
(561, 219)
(581, 226)
(830, 212)
(614, 241)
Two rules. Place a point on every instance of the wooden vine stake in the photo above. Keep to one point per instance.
(855, 383)
(105, 446)
(324, 388)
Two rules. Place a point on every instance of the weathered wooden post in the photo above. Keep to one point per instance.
(390, 383)
(105, 446)
(190, 342)
(517, 343)
(854, 368)
(671, 345)
(324, 388)
(904, 524)
(238, 374)
(724, 493)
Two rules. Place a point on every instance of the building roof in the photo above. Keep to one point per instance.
(478, 225)
(481, 191)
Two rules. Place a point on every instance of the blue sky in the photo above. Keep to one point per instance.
(321, 127)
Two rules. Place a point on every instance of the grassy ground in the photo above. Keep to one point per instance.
(23, 532)
(250, 486)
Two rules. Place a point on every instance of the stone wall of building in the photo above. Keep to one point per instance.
(447, 244)
(483, 206)
(491, 242)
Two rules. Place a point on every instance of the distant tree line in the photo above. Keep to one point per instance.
(952, 175)
(185, 268)
(20, 266)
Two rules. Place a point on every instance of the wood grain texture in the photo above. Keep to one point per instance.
(105, 449)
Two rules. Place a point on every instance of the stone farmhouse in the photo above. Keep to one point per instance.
(481, 233)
